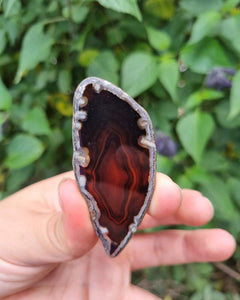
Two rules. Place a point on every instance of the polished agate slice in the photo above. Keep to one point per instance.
(114, 160)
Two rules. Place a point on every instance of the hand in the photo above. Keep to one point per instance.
(48, 248)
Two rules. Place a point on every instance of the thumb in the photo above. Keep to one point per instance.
(68, 232)
(45, 223)
(76, 231)
(36, 233)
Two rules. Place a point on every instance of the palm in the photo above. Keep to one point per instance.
(94, 276)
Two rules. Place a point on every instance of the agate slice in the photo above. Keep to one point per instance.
(114, 160)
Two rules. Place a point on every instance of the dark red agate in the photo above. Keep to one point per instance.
(114, 159)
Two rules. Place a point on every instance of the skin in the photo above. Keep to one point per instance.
(49, 250)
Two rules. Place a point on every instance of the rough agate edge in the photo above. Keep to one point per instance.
(114, 160)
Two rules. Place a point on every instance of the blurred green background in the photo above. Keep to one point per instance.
(179, 59)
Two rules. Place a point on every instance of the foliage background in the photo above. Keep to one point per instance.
(160, 52)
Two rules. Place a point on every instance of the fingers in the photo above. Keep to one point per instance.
(135, 292)
(72, 233)
(172, 247)
(196, 210)
(171, 205)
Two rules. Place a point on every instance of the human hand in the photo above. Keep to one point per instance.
(48, 247)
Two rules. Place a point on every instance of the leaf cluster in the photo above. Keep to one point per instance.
(158, 51)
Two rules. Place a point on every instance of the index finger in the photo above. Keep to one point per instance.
(172, 205)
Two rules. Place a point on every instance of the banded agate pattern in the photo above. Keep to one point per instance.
(114, 160)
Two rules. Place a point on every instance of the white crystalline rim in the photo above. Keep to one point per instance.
(149, 142)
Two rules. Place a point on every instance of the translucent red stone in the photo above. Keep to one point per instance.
(114, 160)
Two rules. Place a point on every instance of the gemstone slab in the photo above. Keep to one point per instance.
(114, 160)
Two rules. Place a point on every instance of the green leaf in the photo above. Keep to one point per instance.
(64, 81)
(5, 97)
(123, 6)
(79, 42)
(184, 182)
(213, 161)
(164, 164)
(222, 112)
(204, 55)
(13, 30)
(229, 5)
(229, 31)
(79, 13)
(202, 95)
(194, 131)
(105, 65)
(10, 7)
(116, 35)
(3, 40)
(139, 73)
(36, 122)
(197, 7)
(208, 293)
(235, 96)
(3, 119)
(23, 150)
(197, 175)
(158, 39)
(217, 191)
(163, 9)
(161, 112)
(163, 109)
(168, 74)
(198, 276)
(234, 189)
(36, 48)
(87, 56)
(17, 177)
(204, 26)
